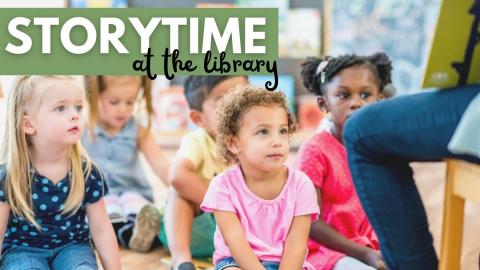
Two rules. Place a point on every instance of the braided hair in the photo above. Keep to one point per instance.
(312, 69)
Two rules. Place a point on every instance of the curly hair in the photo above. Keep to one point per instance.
(234, 107)
(379, 64)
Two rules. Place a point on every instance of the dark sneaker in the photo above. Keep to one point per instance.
(186, 266)
(146, 228)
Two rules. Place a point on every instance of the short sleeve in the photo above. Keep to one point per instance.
(218, 196)
(96, 186)
(3, 174)
(306, 202)
(190, 149)
(311, 162)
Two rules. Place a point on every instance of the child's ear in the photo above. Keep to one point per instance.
(196, 117)
(322, 104)
(232, 145)
(27, 125)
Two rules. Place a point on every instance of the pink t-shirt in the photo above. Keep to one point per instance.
(266, 222)
(324, 159)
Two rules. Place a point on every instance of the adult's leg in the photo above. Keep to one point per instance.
(381, 140)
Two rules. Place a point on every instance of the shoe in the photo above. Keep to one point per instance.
(146, 228)
(186, 266)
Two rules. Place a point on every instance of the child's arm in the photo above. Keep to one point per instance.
(4, 214)
(154, 155)
(232, 231)
(103, 235)
(296, 244)
(329, 237)
(184, 178)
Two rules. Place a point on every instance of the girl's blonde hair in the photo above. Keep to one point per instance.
(235, 105)
(97, 84)
(25, 98)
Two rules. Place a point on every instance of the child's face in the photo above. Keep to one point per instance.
(58, 120)
(207, 118)
(262, 143)
(117, 101)
(349, 90)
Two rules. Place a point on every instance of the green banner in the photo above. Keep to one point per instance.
(157, 41)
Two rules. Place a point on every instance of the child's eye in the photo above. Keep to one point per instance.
(365, 95)
(343, 95)
(284, 131)
(262, 132)
(78, 108)
(114, 102)
(60, 108)
(130, 103)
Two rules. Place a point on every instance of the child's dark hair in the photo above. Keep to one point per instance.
(234, 107)
(378, 63)
(197, 88)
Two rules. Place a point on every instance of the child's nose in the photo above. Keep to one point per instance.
(75, 115)
(123, 108)
(356, 103)
(277, 140)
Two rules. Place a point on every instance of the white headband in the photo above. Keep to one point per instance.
(320, 71)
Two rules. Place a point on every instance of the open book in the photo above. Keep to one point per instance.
(119, 207)
(455, 54)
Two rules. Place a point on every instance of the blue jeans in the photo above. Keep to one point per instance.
(230, 262)
(381, 140)
(68, 257)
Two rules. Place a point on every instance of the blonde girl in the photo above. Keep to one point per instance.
(48, 185)
(114, 140)
(263, 209)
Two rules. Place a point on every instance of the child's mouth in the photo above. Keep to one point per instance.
(275, 156)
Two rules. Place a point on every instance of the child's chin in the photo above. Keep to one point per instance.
(274, 165)
(72, 141)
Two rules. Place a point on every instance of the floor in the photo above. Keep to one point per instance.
(430, 181)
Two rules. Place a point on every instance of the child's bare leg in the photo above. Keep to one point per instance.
(179, 215)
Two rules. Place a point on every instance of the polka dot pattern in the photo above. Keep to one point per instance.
(49, 200)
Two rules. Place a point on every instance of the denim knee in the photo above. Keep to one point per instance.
(354, 125)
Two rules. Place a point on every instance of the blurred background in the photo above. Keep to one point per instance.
(401, 28)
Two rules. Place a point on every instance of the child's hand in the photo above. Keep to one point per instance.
(375, 259)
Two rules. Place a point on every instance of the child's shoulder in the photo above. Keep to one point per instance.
(198, 134)
(197, 140)
(299, 180)
(297, 175)
(229, 176)
(320, 138)
(318, 143)
(93, 173)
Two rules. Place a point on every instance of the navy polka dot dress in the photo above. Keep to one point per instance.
(48, 199)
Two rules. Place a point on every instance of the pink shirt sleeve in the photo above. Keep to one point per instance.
(218, 196)
(306, 202)
(312, 163)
